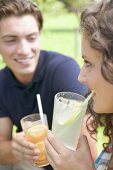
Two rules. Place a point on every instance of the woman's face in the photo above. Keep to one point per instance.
(91, 76)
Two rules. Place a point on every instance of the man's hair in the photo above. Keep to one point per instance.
(19, 8)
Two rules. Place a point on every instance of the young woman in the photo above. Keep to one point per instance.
(97, 74)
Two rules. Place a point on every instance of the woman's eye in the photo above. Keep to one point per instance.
(87, 63)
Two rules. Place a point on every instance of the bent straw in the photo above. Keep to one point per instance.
(88, 98)
(40, 106)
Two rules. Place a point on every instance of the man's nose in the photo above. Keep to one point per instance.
(23, 48)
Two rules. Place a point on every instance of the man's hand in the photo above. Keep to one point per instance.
(23, 149)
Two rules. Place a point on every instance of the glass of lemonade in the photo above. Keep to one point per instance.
(36, 130)
(68, 114)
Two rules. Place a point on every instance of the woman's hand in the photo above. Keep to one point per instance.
(23, 149)
(62, 158)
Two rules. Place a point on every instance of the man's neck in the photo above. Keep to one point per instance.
(24, 79)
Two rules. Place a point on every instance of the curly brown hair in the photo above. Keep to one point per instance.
(97, 24)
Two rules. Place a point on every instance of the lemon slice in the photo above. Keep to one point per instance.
(37, 133)
(71, 119)
(41, 147)
(36, 129)
(42, 160)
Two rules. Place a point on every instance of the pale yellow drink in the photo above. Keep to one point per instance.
(68, 115)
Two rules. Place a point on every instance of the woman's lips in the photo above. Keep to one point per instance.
(94, 94)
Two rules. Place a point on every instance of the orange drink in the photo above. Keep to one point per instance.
(36, 130)
(36, 135)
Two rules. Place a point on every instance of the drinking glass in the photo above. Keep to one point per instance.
(68, 114)
(36, 130)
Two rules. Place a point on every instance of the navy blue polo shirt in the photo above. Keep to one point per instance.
(54, 73)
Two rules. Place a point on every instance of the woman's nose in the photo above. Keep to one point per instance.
(82, 76)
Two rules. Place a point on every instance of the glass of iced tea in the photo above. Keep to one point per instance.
(36, 130)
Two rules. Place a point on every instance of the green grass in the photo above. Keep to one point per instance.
(59, 34)
(1, 63)
(64, 21)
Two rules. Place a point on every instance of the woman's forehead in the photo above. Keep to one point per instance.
(88, 52)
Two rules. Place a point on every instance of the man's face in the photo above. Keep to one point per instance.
(20, 44)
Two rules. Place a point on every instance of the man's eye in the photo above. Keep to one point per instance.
(10, 41)
(32, 38)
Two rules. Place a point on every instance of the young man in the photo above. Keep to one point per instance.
(28, 72)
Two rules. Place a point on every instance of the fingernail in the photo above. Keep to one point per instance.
(35, 158)
(50, 133)
(36, 151)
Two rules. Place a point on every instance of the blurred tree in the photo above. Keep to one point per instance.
(51, 6)
(75, 5)
(70, 5)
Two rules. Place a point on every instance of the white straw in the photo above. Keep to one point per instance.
(89, 97)
(39, 106)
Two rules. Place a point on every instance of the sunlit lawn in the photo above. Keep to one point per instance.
(60, 34)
